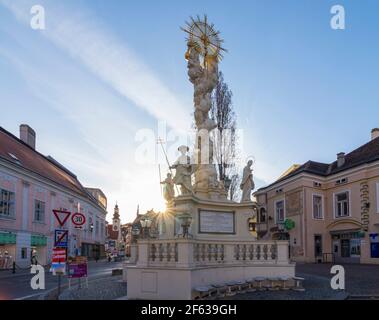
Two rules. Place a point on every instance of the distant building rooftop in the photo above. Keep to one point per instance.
(365, 154)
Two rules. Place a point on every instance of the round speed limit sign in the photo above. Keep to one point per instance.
(78, 219)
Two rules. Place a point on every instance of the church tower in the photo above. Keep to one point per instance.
(116, 220)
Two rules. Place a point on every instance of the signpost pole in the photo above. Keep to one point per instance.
(59, 284)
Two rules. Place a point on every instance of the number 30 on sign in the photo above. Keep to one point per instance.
(78, 219)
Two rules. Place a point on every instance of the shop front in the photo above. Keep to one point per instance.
(93, 250)
(346, 245)
(374, 244)
(7, 249)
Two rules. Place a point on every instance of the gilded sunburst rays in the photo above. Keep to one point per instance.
(203, 38)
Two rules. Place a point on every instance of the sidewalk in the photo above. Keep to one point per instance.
(7, 273)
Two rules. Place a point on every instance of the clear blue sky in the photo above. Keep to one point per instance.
(104, 69)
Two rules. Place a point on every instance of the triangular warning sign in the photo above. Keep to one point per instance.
(61, 216)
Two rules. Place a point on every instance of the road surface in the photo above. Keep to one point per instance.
(17, 286)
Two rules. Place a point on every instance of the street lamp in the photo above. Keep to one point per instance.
(145, 224)
(252, 224)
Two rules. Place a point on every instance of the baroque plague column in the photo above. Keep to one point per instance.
(208, 238)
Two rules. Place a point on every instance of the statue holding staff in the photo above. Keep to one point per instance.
(184, 170)
(168, 188)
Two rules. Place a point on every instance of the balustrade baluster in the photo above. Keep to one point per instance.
(168, 252)
(237, 251)
(258, 251)
(265, 251)
(243, 252)
(251, 252)
(273, 251)
(153, 251)
(203, 252)
(161, 251)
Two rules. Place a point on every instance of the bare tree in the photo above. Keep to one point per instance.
(224, 137)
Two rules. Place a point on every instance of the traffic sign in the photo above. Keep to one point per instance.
(59, 255)
(61, 216)
(58, 261)
(61, 238)
(78, 219)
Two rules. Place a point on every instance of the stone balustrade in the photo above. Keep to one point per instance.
(189, 253)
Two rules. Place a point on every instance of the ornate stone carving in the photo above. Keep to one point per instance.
(184, 170)
(168, 188)
(247, 182)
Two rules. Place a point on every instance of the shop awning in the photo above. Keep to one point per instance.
(38, 240)
(7, 238)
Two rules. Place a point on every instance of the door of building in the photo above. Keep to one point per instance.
(318, 246)
(345, 248)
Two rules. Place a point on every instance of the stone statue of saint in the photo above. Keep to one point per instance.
(184, 170)
(204, 80)
(247, 183)
(168, 188)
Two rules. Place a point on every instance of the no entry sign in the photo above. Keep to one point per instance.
(78, 219)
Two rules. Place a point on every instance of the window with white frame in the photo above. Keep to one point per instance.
(342, 207)
(7, 203)
(317, 207)
(279, 211)
(39, 211)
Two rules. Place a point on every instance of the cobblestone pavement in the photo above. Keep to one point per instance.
(361, 281)
(101, 289)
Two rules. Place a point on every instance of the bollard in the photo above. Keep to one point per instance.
(14, 267)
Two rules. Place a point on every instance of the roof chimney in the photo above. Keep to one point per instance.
(28, 135)
(374, 133)
(340, 159)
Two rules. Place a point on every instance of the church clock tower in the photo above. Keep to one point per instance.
(116, 220)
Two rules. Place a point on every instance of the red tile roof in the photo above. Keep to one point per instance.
(366, 153)
(46, 167)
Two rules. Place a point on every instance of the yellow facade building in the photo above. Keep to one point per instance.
(329, 212)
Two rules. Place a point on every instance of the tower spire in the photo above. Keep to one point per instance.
(116, 213)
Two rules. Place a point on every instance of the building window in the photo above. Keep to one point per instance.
(39, 211)
(317, 207)
(342, 208)
(7, 202)
(24, 253)
(262, 215)
(97, 228)
(279, 211)
(90, 224)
